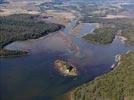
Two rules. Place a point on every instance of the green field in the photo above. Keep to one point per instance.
(116, 85)
(22, 27)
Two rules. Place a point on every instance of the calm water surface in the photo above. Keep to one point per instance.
(34, 77)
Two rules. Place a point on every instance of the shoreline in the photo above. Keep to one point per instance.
(66, 96)
(118, 58)
(55, 19)
(22, 51)
(70, 95)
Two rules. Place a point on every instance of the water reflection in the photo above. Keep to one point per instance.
(34, 77)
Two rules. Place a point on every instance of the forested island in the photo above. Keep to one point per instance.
(20, 27)
(116, 85)
(101, 35)
(119, 83)
(110, 26)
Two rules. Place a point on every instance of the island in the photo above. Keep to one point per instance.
(122, 27)
(65, 68)
(116, 85)
(103, 35)
(19, 27)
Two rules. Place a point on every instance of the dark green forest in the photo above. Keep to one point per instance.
(22, 27)
(116, 85)
(125, 25)
(101, 35)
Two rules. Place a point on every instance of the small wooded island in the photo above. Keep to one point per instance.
(65, 68)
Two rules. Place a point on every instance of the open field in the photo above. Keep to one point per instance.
(60, 17)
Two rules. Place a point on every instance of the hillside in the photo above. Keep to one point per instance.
(22, 27)
(116, 85)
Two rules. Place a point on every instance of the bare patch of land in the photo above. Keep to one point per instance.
(20, 7)
(65, 68)
(115, 16)
(60, 17)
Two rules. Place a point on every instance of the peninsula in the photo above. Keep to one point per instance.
(19, 27)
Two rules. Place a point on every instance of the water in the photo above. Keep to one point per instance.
(34, 77)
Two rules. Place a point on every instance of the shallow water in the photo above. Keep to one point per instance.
(34, 77)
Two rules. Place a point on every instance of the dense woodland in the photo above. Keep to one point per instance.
(22, 27)
(101, 35)
(116, 85)
(125, 25)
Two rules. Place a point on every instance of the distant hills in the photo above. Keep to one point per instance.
(97, 1)
(90, 1)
